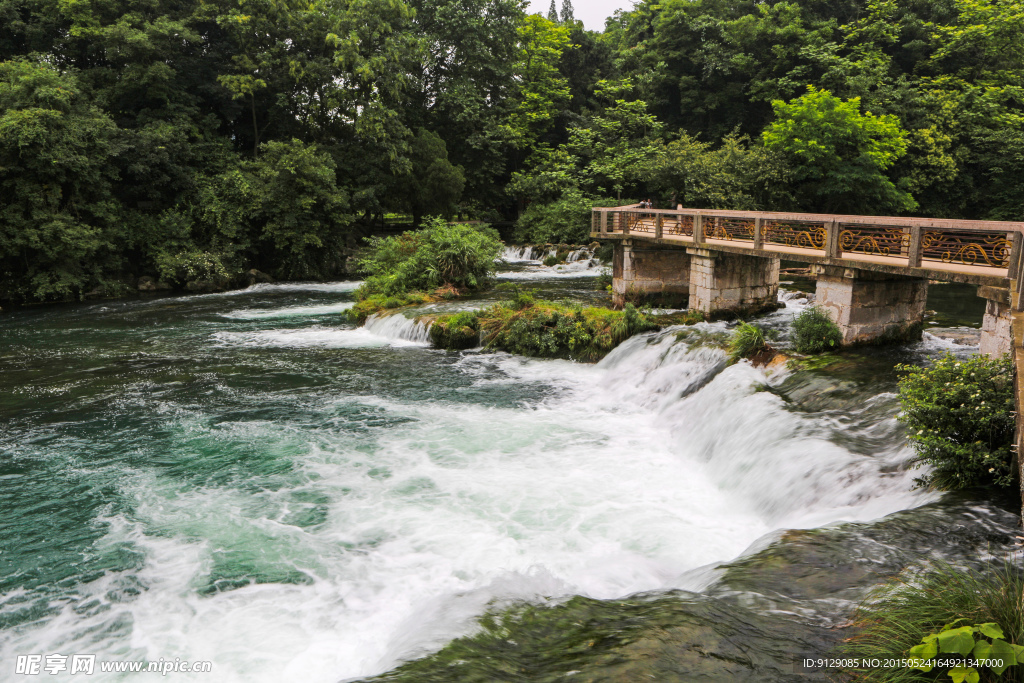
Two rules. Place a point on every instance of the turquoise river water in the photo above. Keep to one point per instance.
(246, 479)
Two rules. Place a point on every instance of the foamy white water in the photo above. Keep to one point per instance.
(289, 311)
(394, 330)
(384, 542)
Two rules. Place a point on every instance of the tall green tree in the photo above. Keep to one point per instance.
(59, 219)
(434, 185)
(838, 155)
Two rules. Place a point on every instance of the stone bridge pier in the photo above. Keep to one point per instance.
(724, 284)
(870, 306)
(719, 284)
(650, 273)
(996, 337)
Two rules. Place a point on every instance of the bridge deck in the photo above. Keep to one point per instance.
(980, 252)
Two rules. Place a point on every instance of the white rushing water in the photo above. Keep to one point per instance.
(579, 263)
(628, 475)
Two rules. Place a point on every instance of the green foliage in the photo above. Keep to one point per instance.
(454, 332)
(838, 155)
(185, 266)
(60, 222)
(615, 147)
(747, 340)
(991, 650)
(378, 303)
(959, 417)
(434, 185)
(460, 256)
(814, 332)
(564, 221)
(544, 329)
(273, 134)
(945, 611)
(735, 175)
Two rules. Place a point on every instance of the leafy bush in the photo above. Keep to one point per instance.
(461, 256)
(565, 220)
(960, 417)
(899, 618)
(458, 331)
(552, 260)
(990, 650)
(746, 341)
(815, 332)
(542, 328)
(184, 266)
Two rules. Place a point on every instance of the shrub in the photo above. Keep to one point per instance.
(552, 260)
(460, 256)
(899, 616)
(566, 220)
(960, 417)
(545, 329)
(184, 266)
(815, 332)
(458, 331)
(746, 341)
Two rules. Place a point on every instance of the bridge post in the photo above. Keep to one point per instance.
(833, 247)
(758, 235)
(649, 273)
(723, 284)
(698, 229)
(914, 251)
(872, 307)
(996, 327)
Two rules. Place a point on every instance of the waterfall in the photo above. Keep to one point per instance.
(398, 327)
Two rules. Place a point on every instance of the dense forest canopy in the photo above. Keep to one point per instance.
(192, 139)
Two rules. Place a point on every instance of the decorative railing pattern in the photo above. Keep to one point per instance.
(969, 249)
(795, 234)
(679, 224)
(981, 246)
(877, 240)
(730, 229)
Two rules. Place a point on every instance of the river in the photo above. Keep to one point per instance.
(246, 479)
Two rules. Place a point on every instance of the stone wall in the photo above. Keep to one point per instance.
(870, 306)
(737, 284)
(654, 274)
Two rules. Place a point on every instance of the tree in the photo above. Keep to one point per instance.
(838, 155)
(434, 185)
(59, 220)
(567, 15)
(463, 86)
(281, 211)
(543, 90)
(553, 13)
(616, 146)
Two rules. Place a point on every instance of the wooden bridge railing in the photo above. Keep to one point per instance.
(991, 246)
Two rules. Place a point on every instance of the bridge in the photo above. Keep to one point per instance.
(872, 271)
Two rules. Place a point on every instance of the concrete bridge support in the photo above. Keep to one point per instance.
(650, 273)
(996, 338)
(732, 284)
(870, 306)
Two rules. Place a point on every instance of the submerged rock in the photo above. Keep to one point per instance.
(150, 284)
(254, 276)
(204, 286)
